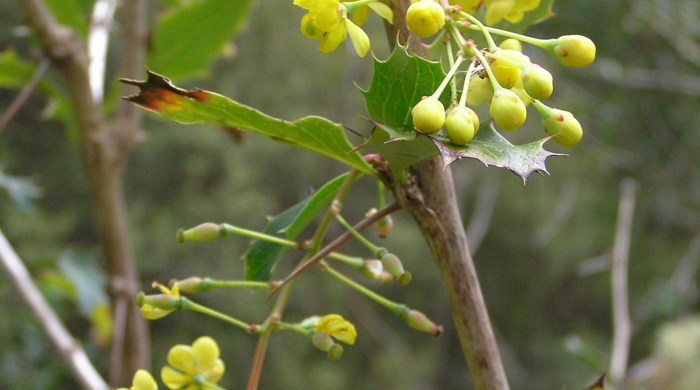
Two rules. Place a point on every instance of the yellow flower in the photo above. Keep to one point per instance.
(195, 367)
(142, 381)
(510, 10)
(160, 305)
(327, 22)
(338, 327)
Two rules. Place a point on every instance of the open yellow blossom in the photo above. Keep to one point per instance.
(153, 312)
(510, 10)
(195, 367)
(327, 22)
(338, 327)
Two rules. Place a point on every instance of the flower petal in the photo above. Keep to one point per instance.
(215, 371)
(359, 17)
(181, 358)
(332, 39)
(150, 312)
(382, 10)
(143, 380)
(174, 379)
(205, 351)
(359, 38)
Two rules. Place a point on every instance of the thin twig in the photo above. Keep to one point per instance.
(70, 349)
(622, 325)
(24, 94)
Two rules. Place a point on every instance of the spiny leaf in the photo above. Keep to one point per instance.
(263, 255)
(489, 147)
(159, 95)
(398, 84)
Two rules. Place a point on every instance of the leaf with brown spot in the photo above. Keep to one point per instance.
(318, 134)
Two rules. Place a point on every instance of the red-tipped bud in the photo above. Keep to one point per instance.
(537, 82)
(574, 50)
(419, 321)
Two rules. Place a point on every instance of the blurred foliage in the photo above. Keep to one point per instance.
(543, 263)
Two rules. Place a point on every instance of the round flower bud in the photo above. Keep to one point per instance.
(425, 17)
(537, 81)
(574, 50)
(562, 125)
(511, 44)
(461, 124)
(428, 115)
(506, 66)
(480, 89)
(507, 110)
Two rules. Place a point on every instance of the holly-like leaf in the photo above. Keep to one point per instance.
(261, 257)
(489, 147)
(398, 84)
(159, 95)
(187, 38)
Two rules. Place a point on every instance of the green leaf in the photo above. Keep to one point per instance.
(189, 37)
(263, 255)
(196, 106)
(15, 72)
(398, 84)
(489, 147)
(72, 13)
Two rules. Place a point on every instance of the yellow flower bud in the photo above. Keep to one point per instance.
(480, 90)
(511, 44)
(537, 82)
(564, 128)
(574, 50)
(425, 17)
(461, 124)
(428, 115)
(506, 66)
(507, 109)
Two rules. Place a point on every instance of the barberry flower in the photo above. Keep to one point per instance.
(195, 367)
(510, 10)
(537, 81)
(154, 307)
(143, 380)
(327, 22)
(338, 327)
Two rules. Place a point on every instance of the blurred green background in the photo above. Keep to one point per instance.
(543, 260)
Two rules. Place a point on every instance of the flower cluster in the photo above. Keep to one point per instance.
(502, 75)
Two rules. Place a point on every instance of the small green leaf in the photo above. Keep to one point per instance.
(263, 255)
(489, 147)
(196, 106)
(189, 37)
(398, 84)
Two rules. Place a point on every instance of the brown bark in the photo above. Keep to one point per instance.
(429, 195)
(105, 149)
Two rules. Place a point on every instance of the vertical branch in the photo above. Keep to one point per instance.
(104, 150)
(69, 349)
(429, 195)
(622, 325)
